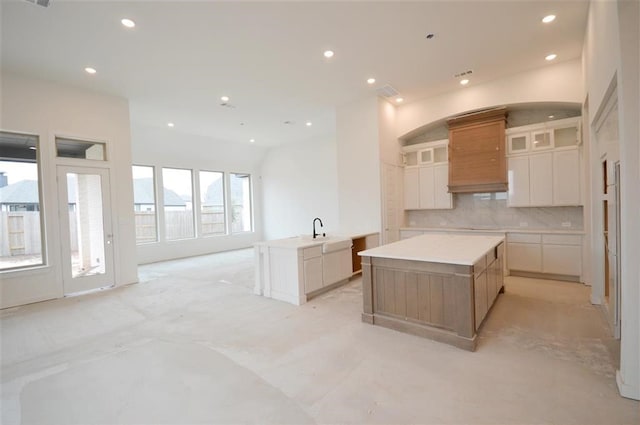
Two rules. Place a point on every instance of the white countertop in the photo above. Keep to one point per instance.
(438, 248)
(506, 230)
(296, 242)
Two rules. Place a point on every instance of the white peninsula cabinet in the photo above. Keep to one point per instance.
(296, 269)
(426, 177)
(544, 164)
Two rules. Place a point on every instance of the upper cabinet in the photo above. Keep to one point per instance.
(544, 166)
(426, 176)
(546, 136)
(477, 160)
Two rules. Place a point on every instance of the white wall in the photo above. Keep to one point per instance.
(358, 152)
(299, 183)
(47, 109)
(561, 82)
(612, 51)
(168, 147)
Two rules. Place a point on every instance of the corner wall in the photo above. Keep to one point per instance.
(612, 54)
(358, 151)
(299, 183)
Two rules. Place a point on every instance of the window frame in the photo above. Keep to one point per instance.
(195, 234)
(251, 208)
(156, 211)
(225, 209)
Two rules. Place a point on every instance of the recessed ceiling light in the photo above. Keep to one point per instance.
(399, 99)
(464, 82)
(551, 117)
(252, 140)
(33, 148)
(308, 123)
(90, 70)
(328, 53)
(224, 98)
(128, 23)
(549, 18)
(170, 124)
(371, 80)
(551, 57)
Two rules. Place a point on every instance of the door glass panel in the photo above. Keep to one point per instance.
(426, 156)
(86, 225)
(542, 140)
(440, 154)
(518, 143)
(565, 137)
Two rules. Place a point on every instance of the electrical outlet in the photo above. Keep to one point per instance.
(566, 224)
(524, 224)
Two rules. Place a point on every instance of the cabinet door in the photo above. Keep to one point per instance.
(480, 297)
(542, 139)
(524, 257)
(312, 274)
(426, 188)
(442, 197)
(518, 181)
(518, 143)
(541, 179)
(562, 259)
(411, 189)
(566, 177)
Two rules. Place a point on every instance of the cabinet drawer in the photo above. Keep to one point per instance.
(562, 239)
(524, 237)
(314, 251)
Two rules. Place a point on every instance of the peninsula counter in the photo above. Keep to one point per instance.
(438, 286)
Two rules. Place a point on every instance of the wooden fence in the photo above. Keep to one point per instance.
(20, 233)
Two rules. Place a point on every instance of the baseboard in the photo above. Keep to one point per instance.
(625, 390)
(548, 276)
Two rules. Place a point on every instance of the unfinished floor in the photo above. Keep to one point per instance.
(191, 343)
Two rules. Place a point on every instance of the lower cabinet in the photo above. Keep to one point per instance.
(336, 266)
(559, 254)
(312, 274)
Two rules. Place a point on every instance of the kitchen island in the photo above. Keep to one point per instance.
(438, 286)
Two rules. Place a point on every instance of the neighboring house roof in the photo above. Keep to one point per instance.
(143, 194)
(26, 192)
(215, 195)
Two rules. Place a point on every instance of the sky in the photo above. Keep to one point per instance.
(17, 171)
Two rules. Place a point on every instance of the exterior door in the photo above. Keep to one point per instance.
(85, 228)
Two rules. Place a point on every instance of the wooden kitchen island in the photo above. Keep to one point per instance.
(438, 286)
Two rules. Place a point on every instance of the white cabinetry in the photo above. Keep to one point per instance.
(411, 189)
(426, 177)
(566, 177)
(548, 178)
(557, 254)
(312, 265)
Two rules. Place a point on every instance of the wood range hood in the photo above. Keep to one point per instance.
(477, 161)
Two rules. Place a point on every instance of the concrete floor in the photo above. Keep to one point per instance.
(191, 344)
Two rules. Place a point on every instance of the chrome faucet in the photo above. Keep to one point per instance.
(314, 228)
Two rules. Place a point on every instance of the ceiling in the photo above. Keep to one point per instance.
(268, 56)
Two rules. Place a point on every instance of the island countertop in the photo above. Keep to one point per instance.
(438, 248)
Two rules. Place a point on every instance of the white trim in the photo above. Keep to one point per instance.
(626, 390)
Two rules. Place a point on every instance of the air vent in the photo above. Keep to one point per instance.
(43, 3)
(463, 74)
(387, 91)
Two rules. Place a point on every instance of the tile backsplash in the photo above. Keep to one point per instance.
(490, 211)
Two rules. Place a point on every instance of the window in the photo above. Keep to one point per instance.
(21, 242)
(144, 204)
(70, 148)
(240, 187)
(212, 212)
(178, 210)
